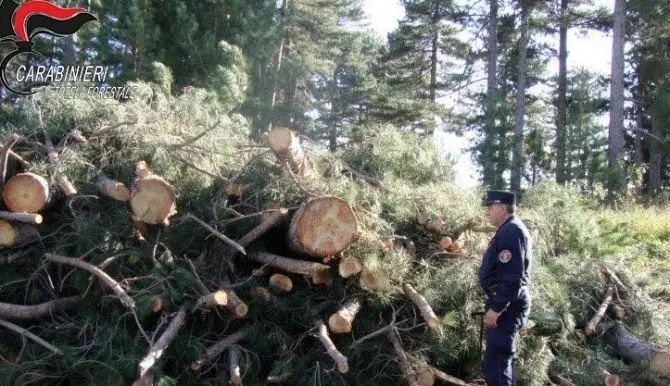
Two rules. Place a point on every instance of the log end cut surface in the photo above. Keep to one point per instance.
(26, 192)
(280, 139)
(153, 200)
(339, 324)
(7, 234)
(325, 226)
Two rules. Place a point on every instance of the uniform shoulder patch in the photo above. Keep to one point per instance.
(505, 256)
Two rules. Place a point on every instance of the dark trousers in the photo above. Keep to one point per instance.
(499, 358)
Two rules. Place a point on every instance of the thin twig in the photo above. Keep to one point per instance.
(217, 233)
(25, 333)
(215, 176)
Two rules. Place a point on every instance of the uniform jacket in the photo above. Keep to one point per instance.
(505, 269)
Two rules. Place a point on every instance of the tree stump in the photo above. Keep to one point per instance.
(152, 198)
(26, 192)
(323, 227)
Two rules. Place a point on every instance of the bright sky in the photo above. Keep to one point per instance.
(593, 52)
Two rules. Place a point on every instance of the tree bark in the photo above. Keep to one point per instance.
(629, 346)
(114, 189)
(29, 218)
(4, 156)
(333, 352)
(655, 150)
(434, 50)
(323, 227)
(517, 153)
(561, 108)
(590, 328)
(405, 367)
(285, 144)
(491, 100)
(219, 347)
(280, 54)
(615, 130)
(234, 365)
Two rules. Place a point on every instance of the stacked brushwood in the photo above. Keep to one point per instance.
(135, 251)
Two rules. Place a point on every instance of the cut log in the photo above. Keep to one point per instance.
(157, 304)
(158, 348)
(219, 347)
(446, 378)
(323, 227)
(610, 379)
(26, 192)
(374, 281)
(236, 305)
(341, 321)
(212, 300)
(405, 367)
(323, 277)
(290, 265)
(590, 328)
(333, 352)
(125, 299)
(281, 283)
(29, 218)
(426, 311)
(12, 235)
(350, 266)
(628, 346)
(285, 144)
(114, 189)
(37, 311)
(152, 198)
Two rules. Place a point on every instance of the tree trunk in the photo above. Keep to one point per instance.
(561, 121)
(285, 144)
(341, 321)
(655, 151)
(491, 100)
(152, 198)
(517, 154)
(434, 50)
(629, 346)
(323, 227)
(69, 51)
(615, 140)
(26, 192)
(280, 53)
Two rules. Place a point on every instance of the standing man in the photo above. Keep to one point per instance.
(504, 276)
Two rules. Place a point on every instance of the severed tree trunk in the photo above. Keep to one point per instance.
(333, 352)
(290, 265)
(590, 328)
(238, 307)
(349, 267)
(26, 192)
(114, 189)
(323, 227)
(37, 311)
(286, 146)
(152, 198)
(426, 311)
(341, 321)
(281, 283)
(12, 235)
(628, 346)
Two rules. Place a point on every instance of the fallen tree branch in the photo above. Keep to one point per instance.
(158, 348)
(217, 233)
(125, 299)
(426, 311)
(234, 364)
(374, 181)
(219, 347)
(404, 362)
(271, 221)
(590, 328)
(333, 352)
(212, 300)
(444, 377)
(291, 265)
(29, 218)
(37, 311)
(22, 331)
(614, 279)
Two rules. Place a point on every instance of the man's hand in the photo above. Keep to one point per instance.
(491, 319)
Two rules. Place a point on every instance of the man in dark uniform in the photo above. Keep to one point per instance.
(504, 276)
